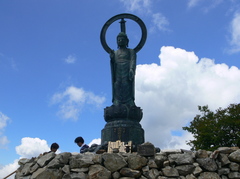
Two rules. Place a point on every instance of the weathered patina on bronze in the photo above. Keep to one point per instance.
(123, 116)
(123, 67)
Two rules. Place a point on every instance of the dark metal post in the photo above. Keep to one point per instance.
(123, 26)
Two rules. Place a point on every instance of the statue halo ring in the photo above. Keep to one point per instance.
(121, 16)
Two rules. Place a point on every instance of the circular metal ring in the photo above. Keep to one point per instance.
(120, 16)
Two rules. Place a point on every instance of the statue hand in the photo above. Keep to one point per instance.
(131, 75)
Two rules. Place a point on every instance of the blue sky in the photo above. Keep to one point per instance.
(55, 75)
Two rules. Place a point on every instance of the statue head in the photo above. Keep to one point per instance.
(122, 39)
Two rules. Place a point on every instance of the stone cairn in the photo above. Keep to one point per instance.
(167, 164)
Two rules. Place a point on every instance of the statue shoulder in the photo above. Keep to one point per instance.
(132, 51)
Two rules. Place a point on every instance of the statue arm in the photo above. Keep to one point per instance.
(112, 54)
(132, 64)
(112, 59)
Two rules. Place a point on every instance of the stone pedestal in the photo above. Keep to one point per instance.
(123, 124)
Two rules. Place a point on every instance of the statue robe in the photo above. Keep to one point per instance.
(122, 63)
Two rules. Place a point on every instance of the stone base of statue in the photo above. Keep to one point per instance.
(123, 124)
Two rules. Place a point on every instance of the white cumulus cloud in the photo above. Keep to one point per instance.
(137, 5)
(170, 93)
(235, 34)
(30, 147)
(72, 100)
(8, 169)
(95, 141)
(3, 123)
(160, 22)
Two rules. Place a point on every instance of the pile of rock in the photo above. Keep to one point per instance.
(181, 164)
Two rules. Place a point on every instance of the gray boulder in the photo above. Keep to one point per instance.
(97, 172)
(114, 161)
(235, 156)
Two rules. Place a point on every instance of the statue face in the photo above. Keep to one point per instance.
(122, 41)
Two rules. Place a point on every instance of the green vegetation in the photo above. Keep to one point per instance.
(215, 129)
